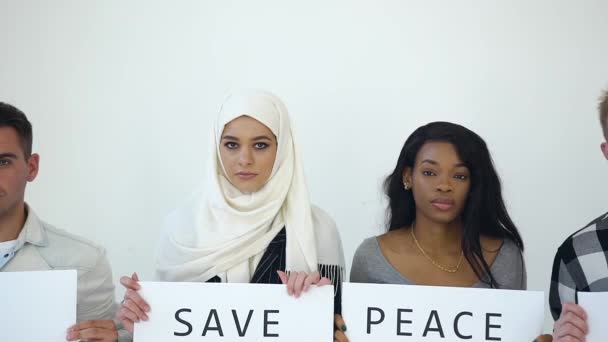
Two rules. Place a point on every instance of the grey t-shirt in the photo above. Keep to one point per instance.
(370, 266)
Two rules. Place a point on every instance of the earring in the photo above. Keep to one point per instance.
(406, 186)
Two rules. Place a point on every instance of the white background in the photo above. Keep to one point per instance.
(122, 95)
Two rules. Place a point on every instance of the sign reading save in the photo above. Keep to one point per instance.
(234, 312)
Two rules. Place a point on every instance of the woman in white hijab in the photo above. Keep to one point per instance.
(254, 221)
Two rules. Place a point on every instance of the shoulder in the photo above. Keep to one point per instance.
(365, 261)
(507, 249)
(585, 240)
(392, 238)
(327, 238)
(497, 249)
(366, 253)
(508, 268)
(493, 244)
(66, 250)
(324, 224)
(368, 246)
(320, 216)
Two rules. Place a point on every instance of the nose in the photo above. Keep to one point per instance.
(245, 157)
(444, 184)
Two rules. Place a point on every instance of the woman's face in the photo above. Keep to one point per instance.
(248, 150)
(440, 182)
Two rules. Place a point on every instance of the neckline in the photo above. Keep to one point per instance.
(394, 270)
(5, 245)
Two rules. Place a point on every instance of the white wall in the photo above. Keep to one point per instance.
(122, 94)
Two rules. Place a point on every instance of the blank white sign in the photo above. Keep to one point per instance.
(37, 306)
(595, 304)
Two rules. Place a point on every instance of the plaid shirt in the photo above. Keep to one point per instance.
(581, 264)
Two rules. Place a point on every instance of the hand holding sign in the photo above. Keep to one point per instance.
(571, 325)
(299, 282)
(340, 329)
(95, 330)
(133, 308)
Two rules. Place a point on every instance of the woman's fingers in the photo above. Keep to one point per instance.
(300, 282)
(311, 279)
(324, 281)
(283, 276)
(339, 329)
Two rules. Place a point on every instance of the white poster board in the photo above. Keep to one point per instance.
(595, 305)
(214, 312)
(374, 312)
(37, 306)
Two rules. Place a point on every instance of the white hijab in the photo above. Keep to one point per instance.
(224, 232)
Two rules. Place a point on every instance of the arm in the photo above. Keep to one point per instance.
(571, 319)
(96, 292)
(359, 267)
(563, 287)
(96, 306)
(524, 274)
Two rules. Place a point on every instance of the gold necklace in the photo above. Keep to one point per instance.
(436, 264)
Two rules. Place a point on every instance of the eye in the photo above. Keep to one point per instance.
(260, 146)
(5, 162)
(231, 145)
(462, 177)
(428, 173)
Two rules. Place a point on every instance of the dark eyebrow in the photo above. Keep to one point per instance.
(432, 162)
(8, 155)
(262, 137)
